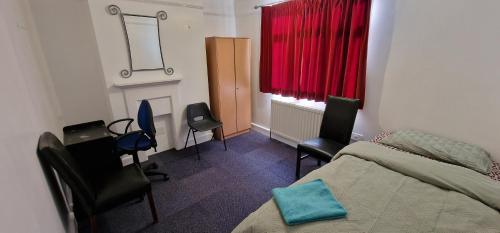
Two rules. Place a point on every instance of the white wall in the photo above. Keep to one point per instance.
(28, 109)
(218, 18)
(443, 74)
(379, 43)
(69, 45)
(379, 46)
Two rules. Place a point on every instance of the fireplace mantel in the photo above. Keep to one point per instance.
(132, 82)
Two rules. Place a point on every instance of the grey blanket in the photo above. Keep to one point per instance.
(385, 190)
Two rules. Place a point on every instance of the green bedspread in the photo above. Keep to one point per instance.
(385, 190)
(307, 202)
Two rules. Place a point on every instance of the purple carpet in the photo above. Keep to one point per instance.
(213, 194)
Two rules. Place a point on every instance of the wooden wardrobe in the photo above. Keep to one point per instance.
(228, 61)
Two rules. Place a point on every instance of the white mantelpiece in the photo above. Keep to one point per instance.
(128, 82)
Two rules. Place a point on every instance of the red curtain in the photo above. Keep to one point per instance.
(314, 48)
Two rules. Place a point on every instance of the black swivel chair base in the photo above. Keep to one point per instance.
(152, 166)
(147, 168)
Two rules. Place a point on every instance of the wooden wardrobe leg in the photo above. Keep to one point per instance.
(93, 224)
(152, 206)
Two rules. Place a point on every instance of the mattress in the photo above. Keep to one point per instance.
(385, 190)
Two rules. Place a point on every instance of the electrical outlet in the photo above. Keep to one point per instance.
(357, 137)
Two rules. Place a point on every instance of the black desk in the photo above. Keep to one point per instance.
(92, 145)
(89, 132)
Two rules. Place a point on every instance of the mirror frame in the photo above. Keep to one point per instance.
(160, 15)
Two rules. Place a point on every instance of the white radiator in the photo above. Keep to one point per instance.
(294, 122)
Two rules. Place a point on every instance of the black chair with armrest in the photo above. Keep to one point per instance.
(98, 194)
(141, 140)
(335, 132)
(200, 119)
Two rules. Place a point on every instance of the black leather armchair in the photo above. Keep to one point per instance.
(335, 132)
(94, 195)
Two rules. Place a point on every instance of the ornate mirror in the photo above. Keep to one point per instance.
(142, 37)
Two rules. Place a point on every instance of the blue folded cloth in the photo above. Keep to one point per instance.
(307, 202)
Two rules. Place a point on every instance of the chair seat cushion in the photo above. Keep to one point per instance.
(120, 186)
(127, 142)
(320, 148)
(205, 125)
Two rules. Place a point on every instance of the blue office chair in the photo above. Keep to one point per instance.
(141, 140)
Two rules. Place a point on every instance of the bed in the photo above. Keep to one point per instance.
(388, 190)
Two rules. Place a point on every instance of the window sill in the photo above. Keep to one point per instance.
(302, 103)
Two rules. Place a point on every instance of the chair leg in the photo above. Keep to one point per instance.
(135, 157)
(223, 138)
(155, 173)
(213, 135)
(152, 206)
(196, 145)
(185, 145)
(93, 224)
(297, 168)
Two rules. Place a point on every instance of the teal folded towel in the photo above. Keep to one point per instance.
(307, 202)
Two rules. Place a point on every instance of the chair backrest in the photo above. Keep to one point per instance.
(53, 153)
(338, 119)
(198, 111)
(145, 120)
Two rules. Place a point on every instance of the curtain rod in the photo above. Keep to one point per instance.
(269, 4)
